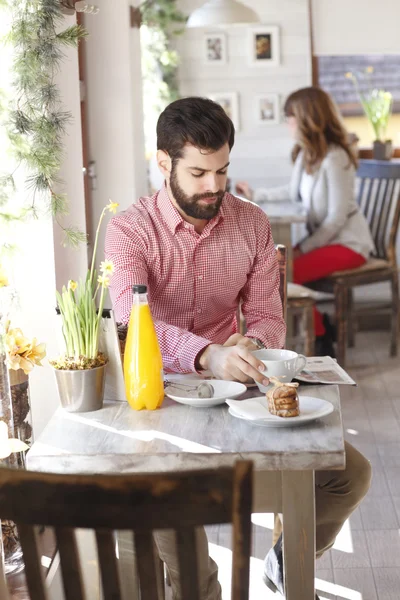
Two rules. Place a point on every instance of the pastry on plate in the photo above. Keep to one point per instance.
(283, 400)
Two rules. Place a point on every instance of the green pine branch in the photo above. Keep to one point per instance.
(35, 120)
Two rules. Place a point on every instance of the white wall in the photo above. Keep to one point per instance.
(356, 27)
(71, 263)
(261, 152)
(114, 109)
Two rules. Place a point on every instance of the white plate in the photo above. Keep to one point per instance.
(310, 409)
(222, 391)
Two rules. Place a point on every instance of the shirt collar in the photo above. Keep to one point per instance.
(173, 218)
(168, 211)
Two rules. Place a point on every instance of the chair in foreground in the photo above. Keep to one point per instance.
(141, 503)
(379, 200)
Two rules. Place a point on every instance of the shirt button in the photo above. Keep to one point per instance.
(200, 277)
(199, 310)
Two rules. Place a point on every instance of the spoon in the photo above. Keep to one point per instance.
(204, 389)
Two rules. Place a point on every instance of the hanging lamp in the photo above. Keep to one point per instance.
(218, 13)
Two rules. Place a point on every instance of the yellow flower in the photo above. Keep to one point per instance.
(349, 75)
(369, 69)
(107, 267)
(387, 95)
(112, 207)
(22, 353)
(103, 280)
(72, 285)
(16, 342)
(3, 278)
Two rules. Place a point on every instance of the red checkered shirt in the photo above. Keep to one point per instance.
(195, 281)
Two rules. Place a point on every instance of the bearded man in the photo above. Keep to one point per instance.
(201, 251)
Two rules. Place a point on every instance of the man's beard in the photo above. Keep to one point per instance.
(190, 204)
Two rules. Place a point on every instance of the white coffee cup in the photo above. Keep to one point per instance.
(282, 364)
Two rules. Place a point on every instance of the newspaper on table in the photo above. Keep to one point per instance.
(324, 369)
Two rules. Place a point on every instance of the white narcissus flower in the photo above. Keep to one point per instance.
(9, 445)
(103, 280)
(112, 207)
(107, 267)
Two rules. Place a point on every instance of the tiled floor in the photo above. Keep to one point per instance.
(365, 561)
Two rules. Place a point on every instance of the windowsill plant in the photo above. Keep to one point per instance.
(81, 308)
(377, 105)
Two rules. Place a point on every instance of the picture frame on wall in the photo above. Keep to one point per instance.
(264, 46)
(230, 103)
(267, 109)
(215, 49)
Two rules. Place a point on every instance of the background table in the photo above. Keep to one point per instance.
(282, 215)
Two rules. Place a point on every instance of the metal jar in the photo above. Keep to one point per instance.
(81, 390)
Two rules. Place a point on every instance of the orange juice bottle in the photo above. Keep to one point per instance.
(144, 386)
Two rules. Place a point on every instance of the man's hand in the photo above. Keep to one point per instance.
(238, 339)
(232, 363)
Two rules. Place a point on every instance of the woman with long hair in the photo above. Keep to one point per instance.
(323, 179)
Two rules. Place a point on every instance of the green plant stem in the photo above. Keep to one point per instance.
(95, 245)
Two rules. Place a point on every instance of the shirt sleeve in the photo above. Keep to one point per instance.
(262, 306)
(127, 251)
(340, 196)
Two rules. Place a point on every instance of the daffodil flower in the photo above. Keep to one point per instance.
(72, 285)
(103, 280)
(3, 278)
(9, 445)
(112, 207)
(22, 353)
(107, 267)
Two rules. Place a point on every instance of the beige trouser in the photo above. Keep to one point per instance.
(337, 495)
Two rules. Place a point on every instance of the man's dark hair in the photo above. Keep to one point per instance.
(197, 121)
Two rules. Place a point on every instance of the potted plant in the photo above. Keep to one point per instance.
(80, 371)
(377, 105)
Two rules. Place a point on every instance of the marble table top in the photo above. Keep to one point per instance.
(181, 437)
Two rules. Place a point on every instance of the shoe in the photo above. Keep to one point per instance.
(273, 569)
(324, 346)
(330, 328)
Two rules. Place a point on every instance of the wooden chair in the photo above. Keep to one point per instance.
(281, 255)
(301, 313)
(300, 308)
(140, 503)
(379, 200)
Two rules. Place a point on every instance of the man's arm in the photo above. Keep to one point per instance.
(127, 250)
(262, 306)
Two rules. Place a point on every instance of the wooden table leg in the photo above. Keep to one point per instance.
(298, 502)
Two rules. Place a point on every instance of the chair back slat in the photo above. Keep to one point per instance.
(242, 504)
(33, 567)
(187, 557)
(69, 561)
(108, 565)
(281, 254)
(146, 564)
(379, 199)
(142, 503)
